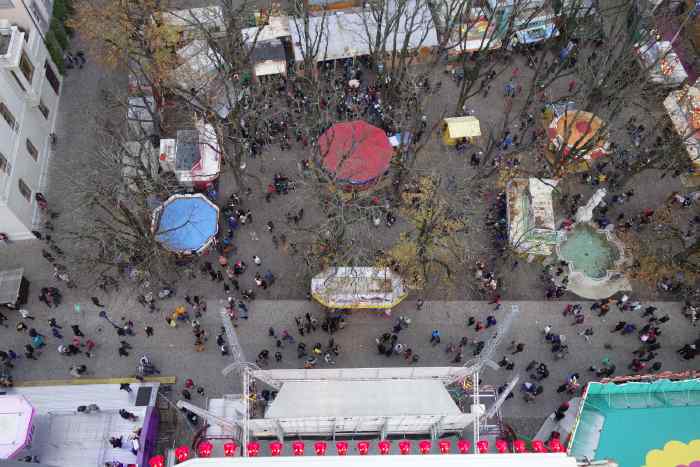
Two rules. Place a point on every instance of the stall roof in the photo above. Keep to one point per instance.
(358, 287)
(268, 51)
(463, 127)
(529, 459)
(209, 16)
(63, 437)
(277, 27)
(346, 34)
(531, 227)
(16, 415)
(681, 106)
(302, 399)
(10, 282)
(663, 63)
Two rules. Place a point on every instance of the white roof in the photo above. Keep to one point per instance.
(15, 424)
(361, 398)
(679, 105)
(277, 27)
(663, 63)
(344, 34)
(467, 460)
(10, 281)
(209, 16)
(63, 437)
(358, 287)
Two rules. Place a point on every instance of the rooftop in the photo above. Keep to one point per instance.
(62, 437)
(361, 398)
(345, 34)
(639, 423)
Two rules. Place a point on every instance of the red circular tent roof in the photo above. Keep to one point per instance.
(356, 152)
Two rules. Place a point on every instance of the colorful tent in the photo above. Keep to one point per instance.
(186, 223)
(355, 152)
(581, 132)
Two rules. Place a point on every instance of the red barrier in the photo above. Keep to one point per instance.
(275, 448)
(424, 446)
(253, 449)
(341, 447)
(320, 448)
(464, 446)
(384, 447)
(444, 445)
(204, 449)
(230, 449)
(363, 447)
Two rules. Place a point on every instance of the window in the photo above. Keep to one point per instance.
(17, 80)
(36, 12)
(6, 4)
(26, 66)
(7, 115)
(51, 77)
(4, 164)
(25, 190)
(43, 109)
(31, 149)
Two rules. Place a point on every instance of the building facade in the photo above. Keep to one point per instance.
(30, 87)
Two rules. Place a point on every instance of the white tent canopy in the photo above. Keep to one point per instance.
(361, 398)
(358, 287)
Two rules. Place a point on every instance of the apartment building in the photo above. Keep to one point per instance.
(30, 87)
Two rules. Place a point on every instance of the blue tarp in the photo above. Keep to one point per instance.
(187, 223)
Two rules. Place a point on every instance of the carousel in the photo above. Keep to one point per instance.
(355, 154)
(580, 136)
(358, 287)
(186, 224)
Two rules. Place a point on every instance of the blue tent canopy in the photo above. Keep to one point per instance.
(186, 223)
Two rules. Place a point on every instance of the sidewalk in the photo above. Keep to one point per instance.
(173, 353)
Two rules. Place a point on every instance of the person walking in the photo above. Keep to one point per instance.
(149, 331)
(76, 331)
(435, 337)
(125, 387)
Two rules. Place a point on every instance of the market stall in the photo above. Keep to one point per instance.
(14, 288)
(355, 154)
(580, 136)
(661, 63)
(458, 128)
(358, 287)
(186, 224)
(683, 107)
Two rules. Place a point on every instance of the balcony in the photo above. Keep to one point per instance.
(11, 40)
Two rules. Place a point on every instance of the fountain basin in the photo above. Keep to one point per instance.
(595, 258)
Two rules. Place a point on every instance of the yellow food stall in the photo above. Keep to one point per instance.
(456, 128)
